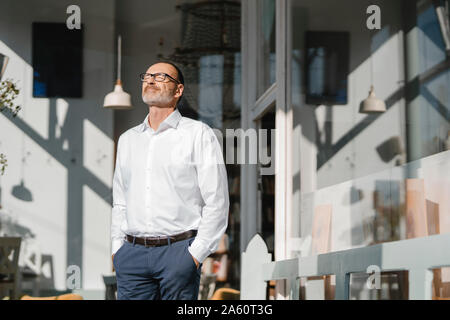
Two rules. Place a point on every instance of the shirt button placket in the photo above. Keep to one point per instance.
(148, 180)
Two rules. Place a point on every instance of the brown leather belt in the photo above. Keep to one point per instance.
(161, 241)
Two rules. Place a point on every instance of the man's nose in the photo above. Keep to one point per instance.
(150, 80)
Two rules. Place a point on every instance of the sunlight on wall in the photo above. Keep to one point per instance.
(97, 152)
(61, 113)
(55, 140)
(45, 216)
(96, 240)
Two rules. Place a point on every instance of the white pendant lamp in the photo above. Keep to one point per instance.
(118, 99)
(372, 104)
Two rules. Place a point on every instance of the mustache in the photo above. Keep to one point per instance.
(151, 88)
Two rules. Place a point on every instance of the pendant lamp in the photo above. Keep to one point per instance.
(372, 104)
(118, 99)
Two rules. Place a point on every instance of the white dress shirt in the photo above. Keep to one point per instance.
(169, 181)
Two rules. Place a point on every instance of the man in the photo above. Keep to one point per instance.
(170, 196)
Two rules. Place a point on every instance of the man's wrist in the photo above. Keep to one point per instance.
(115, 245)
(197, 251)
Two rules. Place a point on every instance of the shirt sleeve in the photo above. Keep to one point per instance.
(119, 208)
(213, 185)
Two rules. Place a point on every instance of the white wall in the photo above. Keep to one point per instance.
(68, 141)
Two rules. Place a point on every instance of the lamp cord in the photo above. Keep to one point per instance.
(119, 56)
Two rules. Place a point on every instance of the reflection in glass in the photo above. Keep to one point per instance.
(389, 286)
(210, 88)
(267, 74)
(327, 67)
(369, 179)
(441, 284)
(317, 288)
(267, 188)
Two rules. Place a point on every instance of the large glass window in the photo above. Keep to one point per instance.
(431, 104)
(370, 178)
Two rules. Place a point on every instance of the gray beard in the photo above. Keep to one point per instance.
(156, 100)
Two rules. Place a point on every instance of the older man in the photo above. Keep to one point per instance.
(170, 196)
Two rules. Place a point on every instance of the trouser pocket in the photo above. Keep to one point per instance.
(191, 258)
(116, 255)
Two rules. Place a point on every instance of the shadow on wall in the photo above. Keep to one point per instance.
(67, 140)
(77, 175)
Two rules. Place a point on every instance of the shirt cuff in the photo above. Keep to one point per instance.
(116, 244)
(198, 252)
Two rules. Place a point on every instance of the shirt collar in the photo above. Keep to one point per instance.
(172, 120)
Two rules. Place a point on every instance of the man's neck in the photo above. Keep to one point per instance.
(157, 115)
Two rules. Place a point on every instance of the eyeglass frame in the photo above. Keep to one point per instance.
(153, 75)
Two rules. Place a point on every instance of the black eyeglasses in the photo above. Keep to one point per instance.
(159, 77)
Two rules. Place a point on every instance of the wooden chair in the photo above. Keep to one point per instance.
(68, 296)
(9, 265)
(226, 294)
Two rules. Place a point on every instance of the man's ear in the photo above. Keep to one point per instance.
(180, 89)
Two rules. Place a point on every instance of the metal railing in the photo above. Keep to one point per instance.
(418, 256)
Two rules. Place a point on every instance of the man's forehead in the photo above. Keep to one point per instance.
(162, 67)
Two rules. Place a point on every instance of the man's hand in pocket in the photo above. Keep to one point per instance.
(195, 260)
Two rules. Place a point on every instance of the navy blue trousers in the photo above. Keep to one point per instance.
(156, 273)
